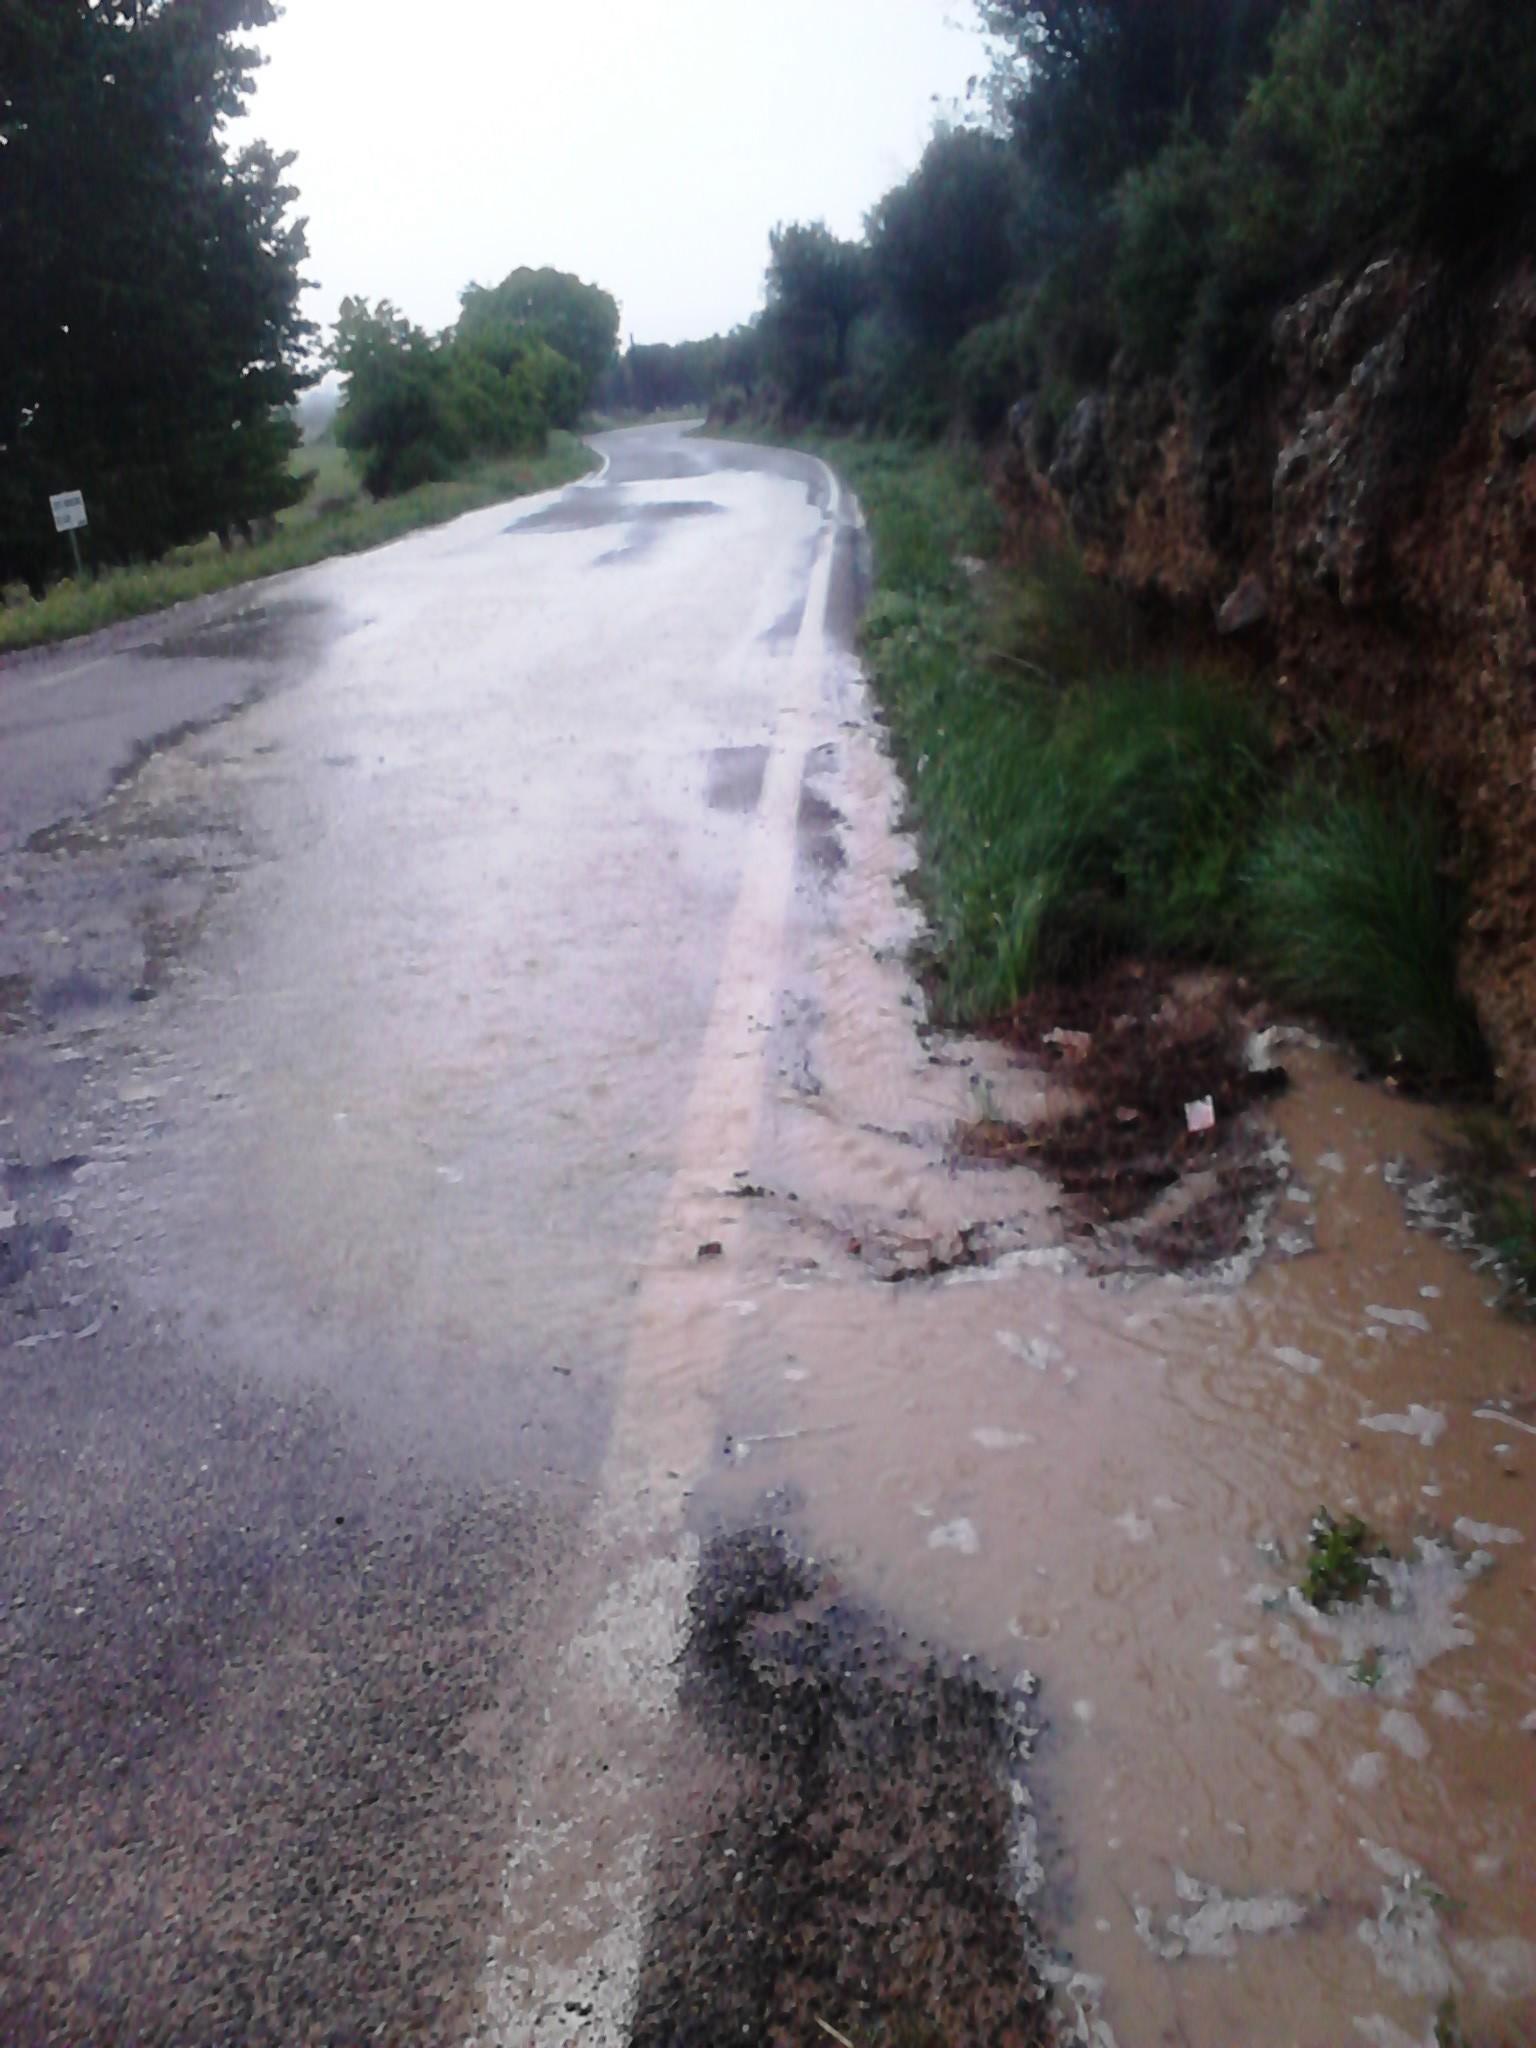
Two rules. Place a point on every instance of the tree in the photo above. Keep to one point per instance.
(817, 288)
(417, 406)
(150, 333)
(397, 416)
(579, 321)
(942, 245)
(1094, 87)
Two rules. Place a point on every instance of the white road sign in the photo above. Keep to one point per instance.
(68, 511)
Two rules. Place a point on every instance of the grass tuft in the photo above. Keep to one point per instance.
(1355, 911)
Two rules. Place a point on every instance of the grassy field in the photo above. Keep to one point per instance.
(1080, 793)
(334, 482)
(335, 518)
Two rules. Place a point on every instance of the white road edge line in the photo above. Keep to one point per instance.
(576, 1878)
(591, 481)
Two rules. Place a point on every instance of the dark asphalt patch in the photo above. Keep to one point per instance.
(74, 995)
(47, 1173)
(15, 1002)
(735, 780)
(817, 834)
(850, 586)
(257, 633)
(584, 511)
(24, 1244)
(849, 1846)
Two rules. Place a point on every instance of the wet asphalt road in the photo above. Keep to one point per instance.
(360, 934)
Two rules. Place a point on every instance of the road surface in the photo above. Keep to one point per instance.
(387, 957)
(542, 1503)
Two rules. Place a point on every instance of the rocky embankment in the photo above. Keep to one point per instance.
(1364, 520)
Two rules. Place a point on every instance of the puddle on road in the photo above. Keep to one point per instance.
(735, 778)
(256, 632)
(1274, 1826)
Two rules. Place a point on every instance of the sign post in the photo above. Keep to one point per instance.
(68, 509)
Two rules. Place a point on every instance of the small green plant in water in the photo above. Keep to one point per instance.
(1368, 1670)
(1340, 1562)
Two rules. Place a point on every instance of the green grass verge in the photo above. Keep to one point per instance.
(334, 483)
(1077, 796)
(310, 532)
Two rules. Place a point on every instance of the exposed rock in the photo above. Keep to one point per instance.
(1081, 472)
(1373, 506)
(1517, 429)
(1247, 607)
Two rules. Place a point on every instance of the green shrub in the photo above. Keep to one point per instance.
(1070, 321)
(927, 509)
(1064, 830)
(1408, 119)
(992, 367)
(1355, 911)
(1167, 211)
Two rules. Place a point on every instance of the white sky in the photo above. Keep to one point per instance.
(648, 145)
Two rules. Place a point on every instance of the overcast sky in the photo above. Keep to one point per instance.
(648, 145)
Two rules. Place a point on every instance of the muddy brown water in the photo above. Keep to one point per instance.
(1266, 1825)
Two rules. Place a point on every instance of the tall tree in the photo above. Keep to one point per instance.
(150, 332)
(942, 243)
(1096, 86)
(579, 321)
(817, 288)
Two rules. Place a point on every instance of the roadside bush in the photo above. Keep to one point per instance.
(731, 404)
(1167, 216)
(927, 508)
(1069, 320)
(1408, 119)
(1355, 911)
(993, 366)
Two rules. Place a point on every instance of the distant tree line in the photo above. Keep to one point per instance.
(672, 376)
(150, 333)
(1157, 178)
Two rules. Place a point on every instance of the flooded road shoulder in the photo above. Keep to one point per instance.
(1277, 1824)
